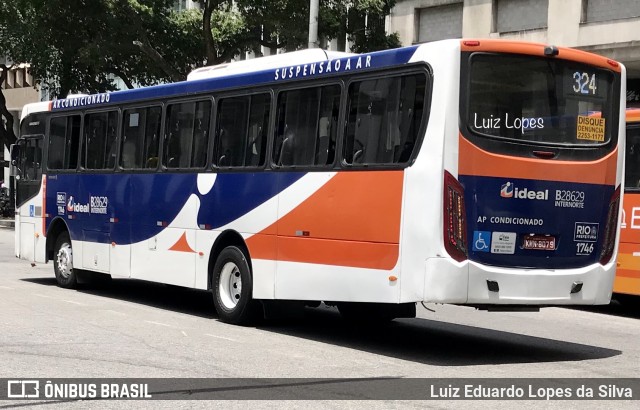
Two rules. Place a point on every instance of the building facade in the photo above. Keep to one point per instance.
(606, 27)
(18, 90)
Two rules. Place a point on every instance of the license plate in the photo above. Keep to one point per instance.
(541, 243)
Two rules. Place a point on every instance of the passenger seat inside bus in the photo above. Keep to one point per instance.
(287, 151)
(128, 154)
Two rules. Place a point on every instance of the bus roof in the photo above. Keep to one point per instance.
(274, 61)
(314, 63)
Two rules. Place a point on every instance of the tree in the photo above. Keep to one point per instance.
(84, 46)
(284, 23)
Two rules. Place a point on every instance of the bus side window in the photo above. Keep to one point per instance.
(99, 140)
(257, 135)
(201, 134)
(131, 138)
(186, 135)
(307, 130)
(384, 119)
(232, 129)
(140, 142)
(64, 140)
(57, 143)
(151, 138)
(632, 160)
(179, 130)
(241, 136)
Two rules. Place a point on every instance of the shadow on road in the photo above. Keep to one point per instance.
(621, 305)
(420, 340)
(175, 298)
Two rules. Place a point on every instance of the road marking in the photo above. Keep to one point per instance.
(114, 311)
(184, 333)
(6, 287)
(221, 337)
(74, 302)
(42, 296)
(158, 323)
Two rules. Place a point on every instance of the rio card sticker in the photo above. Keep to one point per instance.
(590, 128)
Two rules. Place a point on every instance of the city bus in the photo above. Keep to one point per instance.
(483, 173)
(627, 282)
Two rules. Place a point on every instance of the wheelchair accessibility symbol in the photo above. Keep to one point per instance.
(481, 241)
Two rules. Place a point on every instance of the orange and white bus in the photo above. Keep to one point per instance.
(471, 172)
(627, 282)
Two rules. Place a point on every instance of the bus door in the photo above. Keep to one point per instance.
(26, 159)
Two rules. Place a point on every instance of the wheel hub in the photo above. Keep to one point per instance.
(64, 260)
(230, 285)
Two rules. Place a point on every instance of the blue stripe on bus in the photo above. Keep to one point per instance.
(378, 59)
(143, 202)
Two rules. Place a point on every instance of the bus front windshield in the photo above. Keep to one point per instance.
(538, 100)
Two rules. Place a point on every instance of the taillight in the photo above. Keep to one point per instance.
(612, 226)
(455, 223)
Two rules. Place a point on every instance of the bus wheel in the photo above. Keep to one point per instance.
(63, 262)
(233, 287)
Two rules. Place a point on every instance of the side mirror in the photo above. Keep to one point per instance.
(15, 157)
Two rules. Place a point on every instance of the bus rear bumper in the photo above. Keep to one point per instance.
(490, 285)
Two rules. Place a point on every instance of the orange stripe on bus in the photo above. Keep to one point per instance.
(360, 206)
(369, 255)
(182, 245)
(476, 161)
(262, 246)
(633, 115)
(537, 49)
(352, 220)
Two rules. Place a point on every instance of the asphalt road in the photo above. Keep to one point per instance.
(138, 329)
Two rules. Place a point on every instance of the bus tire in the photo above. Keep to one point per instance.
(66, 276)
(232, 287)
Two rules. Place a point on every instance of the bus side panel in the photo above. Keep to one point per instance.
(30, 227)
(425, 264)
(628, 274)
(342, 242)
(168, 256)
(93, 193)
(247, 204)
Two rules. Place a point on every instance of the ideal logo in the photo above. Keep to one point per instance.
(72, 206)
(508, 190)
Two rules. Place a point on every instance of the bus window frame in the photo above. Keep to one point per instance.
(181, 100)
(636, 126)
(142, 104)
(409, 69)
(340, 82)
(213, 136)
(81, 167)
(523, 149)
(47, 140)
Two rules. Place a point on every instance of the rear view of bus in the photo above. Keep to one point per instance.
(534, 206)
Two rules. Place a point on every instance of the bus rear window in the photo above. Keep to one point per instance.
(540, 100)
